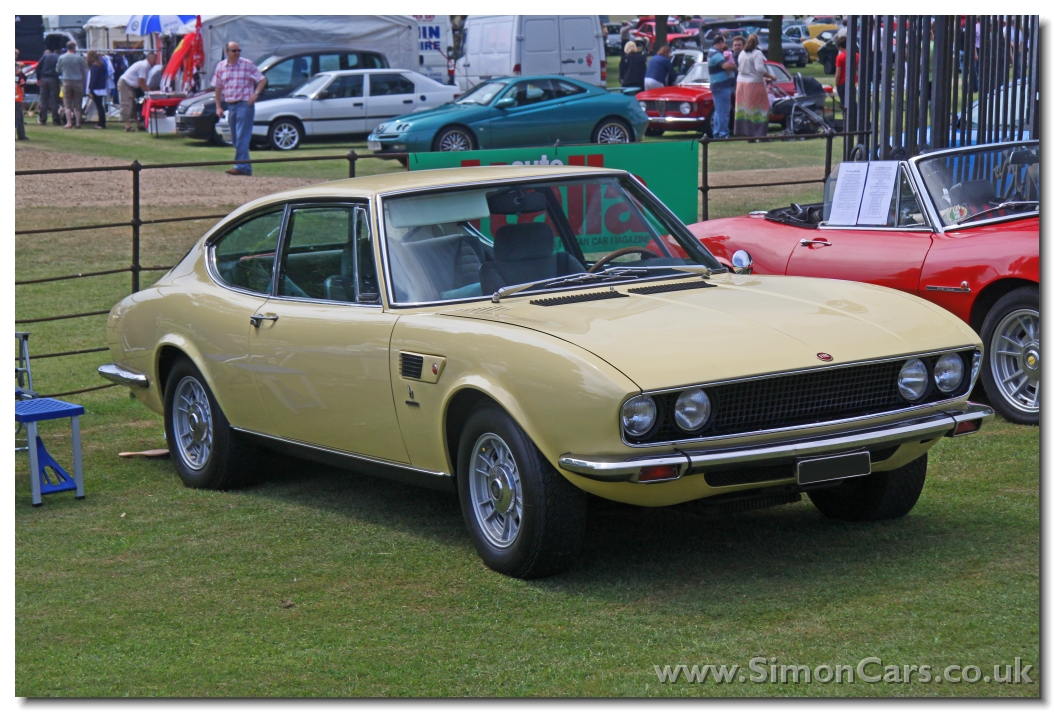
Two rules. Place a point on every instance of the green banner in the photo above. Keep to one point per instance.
(670, 169)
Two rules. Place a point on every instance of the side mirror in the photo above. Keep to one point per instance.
(505, 102)
(324, 94)
(742, 262)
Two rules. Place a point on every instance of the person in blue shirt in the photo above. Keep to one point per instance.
(660, 70)
(722, 85)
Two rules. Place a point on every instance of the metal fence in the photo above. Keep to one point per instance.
(136, 223)
(927, 82)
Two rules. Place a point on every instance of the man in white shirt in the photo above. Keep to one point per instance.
(133, 78)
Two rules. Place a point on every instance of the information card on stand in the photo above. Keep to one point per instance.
(863, 193)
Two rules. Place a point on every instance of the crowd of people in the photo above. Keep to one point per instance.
(66, 79)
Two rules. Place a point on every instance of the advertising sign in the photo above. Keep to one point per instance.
(669, 169)
(434, 40)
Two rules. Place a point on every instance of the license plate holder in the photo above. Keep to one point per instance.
(373, 145)
(834, 467)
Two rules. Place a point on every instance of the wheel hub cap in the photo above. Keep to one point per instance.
(502, 489)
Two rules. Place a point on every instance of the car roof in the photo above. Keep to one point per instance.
(380, 184)
(344, 72)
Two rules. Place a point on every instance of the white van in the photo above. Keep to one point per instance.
(503, 45)
(435, 40)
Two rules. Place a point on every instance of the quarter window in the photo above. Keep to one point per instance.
(245, 256)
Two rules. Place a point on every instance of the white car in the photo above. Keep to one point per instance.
(352, 101)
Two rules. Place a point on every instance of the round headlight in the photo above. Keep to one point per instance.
(643, 105)
(912, 380)
(948, 373)
(638, 415)
(686, 108)
(692, 409)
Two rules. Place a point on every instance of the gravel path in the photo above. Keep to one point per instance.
(172, 186)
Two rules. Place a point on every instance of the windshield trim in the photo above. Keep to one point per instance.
(659, 207)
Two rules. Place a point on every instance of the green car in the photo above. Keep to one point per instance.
(510, 112)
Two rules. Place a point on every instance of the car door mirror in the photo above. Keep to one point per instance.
(505, 102)
(324, 94)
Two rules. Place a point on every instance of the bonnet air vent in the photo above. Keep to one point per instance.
(676, 287)
(575, 298)
(410, 365)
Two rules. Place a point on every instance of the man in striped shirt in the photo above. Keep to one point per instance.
(239, 83)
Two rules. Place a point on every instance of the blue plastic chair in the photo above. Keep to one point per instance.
(46, 475)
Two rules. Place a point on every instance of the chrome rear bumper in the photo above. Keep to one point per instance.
(614, 469)
(123, 376)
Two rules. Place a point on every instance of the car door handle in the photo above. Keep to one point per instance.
(408, 101)
(357, 103)
(810, 243)
(257, 319)
(568, 61)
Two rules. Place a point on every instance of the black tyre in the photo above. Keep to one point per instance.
(882, 495)
(204, 448)
(654, 131)
(828, 66)
(803, 62)
(1010, 370)
(525, 519)
(612, 130)
(285, 134)
(454, 138)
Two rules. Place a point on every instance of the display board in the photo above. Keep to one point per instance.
(863, 193)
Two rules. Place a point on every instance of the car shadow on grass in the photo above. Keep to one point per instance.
(637, 551)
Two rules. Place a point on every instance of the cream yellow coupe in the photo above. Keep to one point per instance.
(525, 336)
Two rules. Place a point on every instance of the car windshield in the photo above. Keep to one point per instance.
(983, 183)
(467, 243)
(698, 74)
(482, 93)
(316, 83)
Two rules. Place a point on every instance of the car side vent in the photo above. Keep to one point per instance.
(675, 287)
(575, 298)
(410, 365)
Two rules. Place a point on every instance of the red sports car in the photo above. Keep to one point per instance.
(962, 231)
(675, 34)
(687, 106)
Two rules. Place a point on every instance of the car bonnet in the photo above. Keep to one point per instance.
(744, 325)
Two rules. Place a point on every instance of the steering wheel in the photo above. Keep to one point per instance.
(619, 253)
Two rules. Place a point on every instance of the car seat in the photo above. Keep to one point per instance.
(525, 252)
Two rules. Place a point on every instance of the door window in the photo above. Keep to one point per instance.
(390, 84)
(532, 92)
(330, 62)
(778, 72)
(288, 75)
(244, 257)
(329, 256)
(564, 89)
(346, 87)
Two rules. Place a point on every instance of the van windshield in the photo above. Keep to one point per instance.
(482, 93)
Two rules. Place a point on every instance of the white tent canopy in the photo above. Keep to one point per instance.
(106, 32)
(260, 36)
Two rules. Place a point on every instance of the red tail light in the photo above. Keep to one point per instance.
(604, 72)
(516, 70)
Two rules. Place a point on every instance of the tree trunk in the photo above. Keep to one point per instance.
(660, 32)
(775, 53)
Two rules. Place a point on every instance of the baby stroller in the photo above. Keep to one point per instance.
(804, 112)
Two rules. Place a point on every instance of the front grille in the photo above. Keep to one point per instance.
(799, 399)
(410, 365)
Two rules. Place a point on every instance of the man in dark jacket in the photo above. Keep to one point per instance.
(48, 85)
(660, 70)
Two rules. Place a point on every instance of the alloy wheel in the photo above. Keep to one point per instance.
(455, 141)
(286, 137)
(192, 423)
(496, 490)
(612, 133)
(1015, 359)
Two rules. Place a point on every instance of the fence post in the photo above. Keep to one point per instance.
(136, 222)
(827, 157)
(352, 159)
(705, 187)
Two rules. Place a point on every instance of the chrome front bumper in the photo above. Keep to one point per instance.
(614, 469)
(123, 376)
(676, 120)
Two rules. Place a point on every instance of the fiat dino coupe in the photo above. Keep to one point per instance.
(525, 336)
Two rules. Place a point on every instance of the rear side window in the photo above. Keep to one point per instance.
(562, 88)
(329, 62)
(389, 84)
(289, 74)
(244, 257)
(370, 61)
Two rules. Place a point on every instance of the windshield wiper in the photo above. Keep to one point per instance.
(570, 279)
(1007, 204)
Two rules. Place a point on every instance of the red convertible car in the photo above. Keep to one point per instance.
(962, 232)
(687, 106)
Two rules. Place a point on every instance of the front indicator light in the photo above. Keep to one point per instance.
(638, 415)
(912, 380)
(948, 373)
(657, 473)
(692, 409)
(966, 427)
(975, 368)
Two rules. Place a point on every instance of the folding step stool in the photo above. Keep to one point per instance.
(45, 474)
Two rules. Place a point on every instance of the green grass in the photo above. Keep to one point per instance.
(182, 595)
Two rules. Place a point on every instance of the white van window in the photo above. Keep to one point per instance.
(539, 35)
(578, 33)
